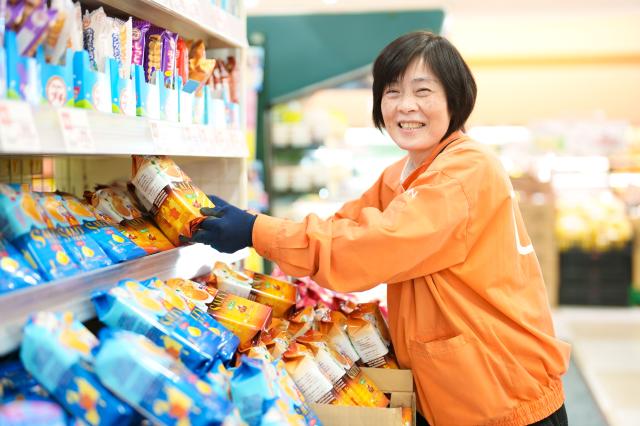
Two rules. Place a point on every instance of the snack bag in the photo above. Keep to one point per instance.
(132, 306)
(15, 273)
(228, 341)
(83, 250)
(292, 393)
(118, 247)
(32, 413)
(337, 338)
(56, 350)
(371, 312)
(114, 205)
(278, 338)
(157, 385)
(34, 29)
(23, 224)
(279, 295)
(175, 202)
(307, 375)
(301, 322)
(138, 36)
(332, 366)
(249, 389)
(242, 316)
(367, 342)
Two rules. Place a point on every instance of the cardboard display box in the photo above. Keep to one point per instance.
(398, 383)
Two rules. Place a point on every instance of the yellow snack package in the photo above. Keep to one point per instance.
(169, 195)
(280, 295)
(241, 316)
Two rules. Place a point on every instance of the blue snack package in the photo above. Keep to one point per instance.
(19, 213)
(284, 387)
(56, 351)
(83, 250)
(274, 413)
(22, 223)
(44, 251)
(118, 247)
(134, 307)
(250, 388)
(15, 273)
(228, 341)
(32, 413)
(160, 387)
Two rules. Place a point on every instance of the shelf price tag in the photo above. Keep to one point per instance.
(167, 137)
(17, 128)
(76, 131)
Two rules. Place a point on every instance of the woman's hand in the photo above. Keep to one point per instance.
(226, 227)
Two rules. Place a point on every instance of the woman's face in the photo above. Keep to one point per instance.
(414, 110)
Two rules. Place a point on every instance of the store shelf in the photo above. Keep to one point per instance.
(192, 19)
(74, 293)
(112, 134)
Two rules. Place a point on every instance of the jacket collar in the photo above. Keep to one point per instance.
(392, 179)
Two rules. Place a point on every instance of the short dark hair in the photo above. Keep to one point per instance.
(443, 59)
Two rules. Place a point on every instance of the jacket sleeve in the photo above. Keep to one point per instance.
(370, 198)
(422, 230)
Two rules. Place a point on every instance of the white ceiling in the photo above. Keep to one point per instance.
(454, 7)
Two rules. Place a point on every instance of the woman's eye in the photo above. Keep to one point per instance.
(390, 91)
(424, 90)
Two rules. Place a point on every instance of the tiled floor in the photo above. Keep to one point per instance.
(606, 349)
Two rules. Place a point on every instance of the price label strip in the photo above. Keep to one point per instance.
(17, 128)
(166, 137)
(76, 131)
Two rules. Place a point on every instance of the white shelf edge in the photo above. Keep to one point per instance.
(189, 18)
(74, 293)
(122, 135)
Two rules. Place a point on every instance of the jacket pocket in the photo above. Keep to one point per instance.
(459, 381)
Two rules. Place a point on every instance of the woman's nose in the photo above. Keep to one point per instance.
(407, 103)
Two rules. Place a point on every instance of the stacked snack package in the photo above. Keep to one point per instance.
(169, 195)
(83, 250)
(118, 247)
(228, 341)
(134, 307)
(23, 224)
(255, 392)
(56, 351)
(279, 295)
(245, 318)
(24, 402)
(114, 206)
(157, 385)
(15, 273)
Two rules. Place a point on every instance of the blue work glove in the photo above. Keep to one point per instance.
(226, 228)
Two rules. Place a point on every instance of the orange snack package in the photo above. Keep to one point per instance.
(114, 206)
(307, 375)
(241, 316)
(277, 339)
(370, 312)
(279, 295)
(330, 366)
(169, 195)
(301, 321)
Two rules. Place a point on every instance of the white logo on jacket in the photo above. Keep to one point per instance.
(523, 250)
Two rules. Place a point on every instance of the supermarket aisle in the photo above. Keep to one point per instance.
(606, 349)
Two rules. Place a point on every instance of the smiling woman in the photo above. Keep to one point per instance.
(467, 303)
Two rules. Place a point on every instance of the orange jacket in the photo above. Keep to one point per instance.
(468, 310)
